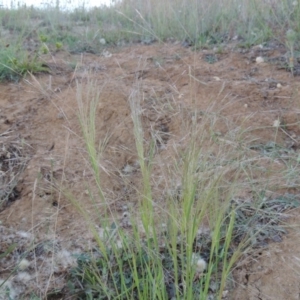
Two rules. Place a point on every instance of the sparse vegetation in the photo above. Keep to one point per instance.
(159, 259)
(199, 23)
(15, 64)
(189, 227)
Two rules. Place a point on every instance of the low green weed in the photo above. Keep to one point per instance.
(15, 64)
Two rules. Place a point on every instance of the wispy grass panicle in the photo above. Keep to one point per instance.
(88, 100)
(145, 161)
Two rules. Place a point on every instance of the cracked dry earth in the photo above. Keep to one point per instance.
(41, 141)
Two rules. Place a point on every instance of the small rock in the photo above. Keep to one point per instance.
(276, 123)
(60, 115)
(106, 54)
(259, 60)
(102, 41)
(260, 46)
(224, 294)
(24, 264)
(128, 169)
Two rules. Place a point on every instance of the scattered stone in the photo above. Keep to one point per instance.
(276, 123)
(102, 41)
(259, 60)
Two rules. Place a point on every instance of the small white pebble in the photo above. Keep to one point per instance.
(279, 85)
(24, 264)
(260, 46)
(128, 169)
(106, 54)
(224, 294)
(119, 244)
(259, 60)
(246, 105)
(60, 115)
(25, 235)
(102, 41)
(276, 123)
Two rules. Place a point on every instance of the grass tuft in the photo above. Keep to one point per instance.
(165, 253)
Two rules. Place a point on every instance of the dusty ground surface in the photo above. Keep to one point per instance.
(274, 272)
(40, 132)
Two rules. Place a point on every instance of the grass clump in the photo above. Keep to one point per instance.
(16, 63)
(176, 249)
(13, 68)
(170, 260)
(186, 245)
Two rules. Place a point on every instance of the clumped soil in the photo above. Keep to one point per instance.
(41, 143)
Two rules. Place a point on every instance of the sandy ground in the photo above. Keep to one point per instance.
(39, 127)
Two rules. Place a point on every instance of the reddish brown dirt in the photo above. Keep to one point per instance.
(272, 273)
(171, 82)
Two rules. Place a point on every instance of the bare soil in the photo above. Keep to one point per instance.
(39, 128)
